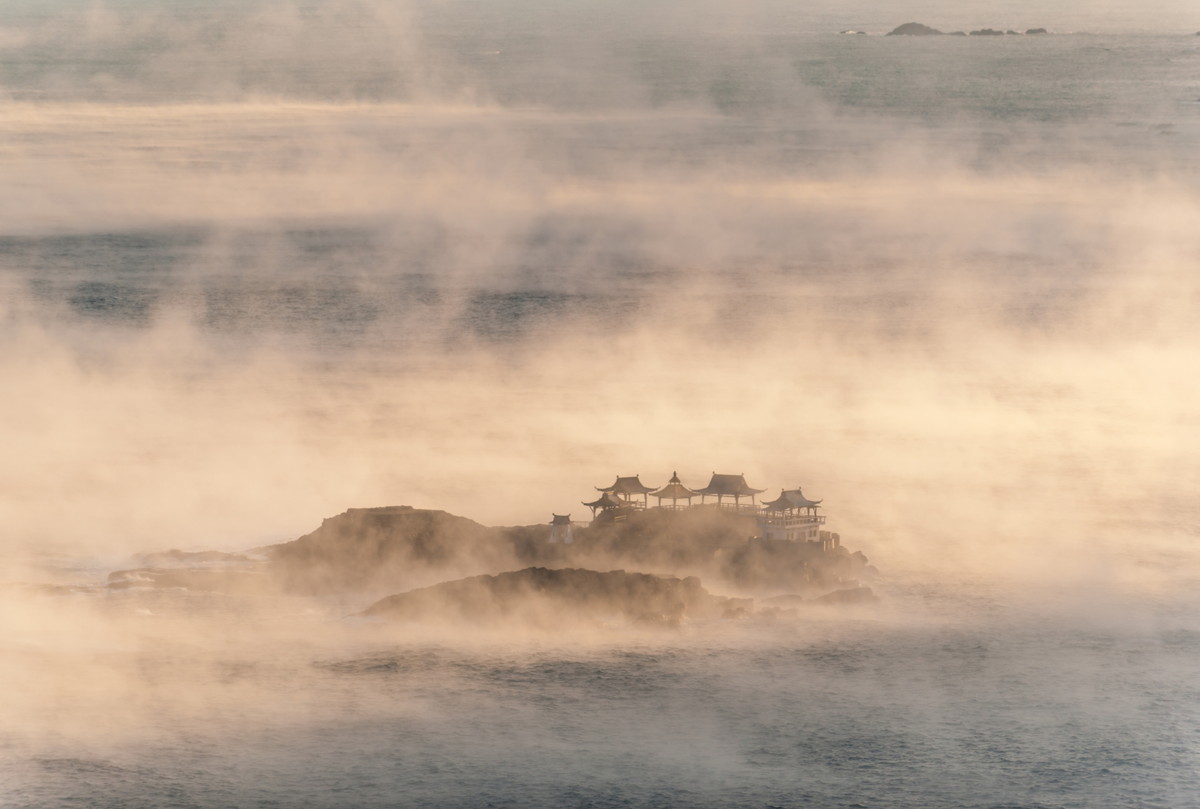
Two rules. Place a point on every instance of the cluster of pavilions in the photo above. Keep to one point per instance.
(729, 490)
(791, 516)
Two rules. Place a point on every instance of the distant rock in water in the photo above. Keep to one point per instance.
(544, 597)
(177, 558)
(913, 29)
(852, 595)
(198, 579)
(203, 571)
(916, 29)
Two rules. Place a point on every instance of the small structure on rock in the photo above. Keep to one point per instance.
(792, 517)
(560, 529)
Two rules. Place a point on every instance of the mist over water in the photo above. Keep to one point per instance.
(260, 263)
(908, 706)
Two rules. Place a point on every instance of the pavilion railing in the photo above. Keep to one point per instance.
(784, 520)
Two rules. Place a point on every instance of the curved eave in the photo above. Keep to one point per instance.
(674, 491)
(607, 500)
(627, 486)
(725, 485)
(791, 499)
(784, 504)
(745, 491)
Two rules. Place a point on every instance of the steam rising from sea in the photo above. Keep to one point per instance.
(262, 263)
(943, 698)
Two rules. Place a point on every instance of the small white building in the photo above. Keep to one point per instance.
(560, 529)
(794, 518)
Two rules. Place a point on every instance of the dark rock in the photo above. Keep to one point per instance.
(549, 598)
(986, 32)
(958, 33)
(176, 558)
(790, 566)
(1011, 32)
(1031, 31)
(663, 539)
(379, 549)
(913, 29)
(853, 595)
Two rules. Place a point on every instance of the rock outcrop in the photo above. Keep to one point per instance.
(381, 549)
(664, 539)
(546, 597)
(851, 595)
(177, 558)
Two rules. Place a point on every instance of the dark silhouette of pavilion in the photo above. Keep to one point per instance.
(791, 517)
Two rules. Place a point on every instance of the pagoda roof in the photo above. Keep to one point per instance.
(628, 485)
(791, 498)
(560, 519)
(674, 490)
(607, 500)
(733, 485)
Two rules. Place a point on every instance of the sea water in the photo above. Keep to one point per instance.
(930, 700)
(261, 264)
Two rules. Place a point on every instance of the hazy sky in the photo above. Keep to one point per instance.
(945, 322)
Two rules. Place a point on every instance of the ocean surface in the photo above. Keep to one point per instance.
(263, 262)
(935, 698)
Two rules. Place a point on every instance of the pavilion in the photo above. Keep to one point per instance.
(626, 488)
(792, 516)
(607, 502)
(734, 486)
(676, 491)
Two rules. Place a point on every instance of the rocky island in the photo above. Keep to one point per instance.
(630, 562)
(913, 29)
(916, 29)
